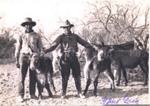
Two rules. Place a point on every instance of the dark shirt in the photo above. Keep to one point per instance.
(68, 43)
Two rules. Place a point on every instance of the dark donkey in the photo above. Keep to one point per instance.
(130, 45)
(126, 59)
(44, 73)
(93, 65)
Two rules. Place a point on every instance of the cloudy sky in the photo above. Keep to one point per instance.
(49, 12)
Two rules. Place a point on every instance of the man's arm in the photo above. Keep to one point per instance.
(17, 50)
(84, 43)
(54, 44)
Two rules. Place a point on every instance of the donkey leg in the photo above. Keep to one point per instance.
(110, 76)
(40, 90)
(51, 82)
(95, 86)
(88, 82)
(53, 86)
(125, 75)
(115, 75)
(119, 76)
(48, 89)
(54, 62)
(144, 67)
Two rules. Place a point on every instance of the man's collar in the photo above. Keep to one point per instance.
(68, 34)
(29, 32)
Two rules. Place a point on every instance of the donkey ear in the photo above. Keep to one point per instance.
(103, 44)
(111, 49)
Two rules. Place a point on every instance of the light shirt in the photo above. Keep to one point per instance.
(27, 43)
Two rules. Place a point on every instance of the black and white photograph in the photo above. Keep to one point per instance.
(74, 52)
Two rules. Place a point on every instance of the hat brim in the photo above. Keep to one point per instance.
(66, 26)
(25, 23)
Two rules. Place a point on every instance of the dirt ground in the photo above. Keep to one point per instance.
(134, 93)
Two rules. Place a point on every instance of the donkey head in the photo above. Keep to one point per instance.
(102, 51)
(35, 61)
(138, 44)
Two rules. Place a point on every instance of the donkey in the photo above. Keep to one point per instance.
(93, 65)
(44, 73)
(123, 59)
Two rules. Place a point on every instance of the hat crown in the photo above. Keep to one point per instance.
(28, 19)
(67, 22)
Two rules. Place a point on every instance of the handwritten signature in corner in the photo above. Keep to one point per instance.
(125, 99)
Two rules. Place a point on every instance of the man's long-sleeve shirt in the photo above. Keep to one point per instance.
(27, 43)
(68, 43)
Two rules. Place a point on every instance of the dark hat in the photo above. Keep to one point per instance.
(28, 21)
(66, 24)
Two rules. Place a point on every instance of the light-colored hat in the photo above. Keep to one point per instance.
(28, 21)
(66, 24)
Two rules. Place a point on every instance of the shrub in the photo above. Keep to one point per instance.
(7, 47)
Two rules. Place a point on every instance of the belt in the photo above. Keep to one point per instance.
(69, 52)
(26, 53)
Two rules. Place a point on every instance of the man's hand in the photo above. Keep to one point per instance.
(44, 50)
(42, 53)
(92, 48)
(17, 65)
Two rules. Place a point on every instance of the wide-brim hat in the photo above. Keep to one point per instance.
(28, 21)
(66, 24)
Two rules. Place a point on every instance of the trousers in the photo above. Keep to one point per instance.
(67, 62)
(24, 67)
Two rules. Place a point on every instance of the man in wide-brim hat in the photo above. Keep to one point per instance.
(28, 21)
(68, 45)
(27, 43)
(67, 24)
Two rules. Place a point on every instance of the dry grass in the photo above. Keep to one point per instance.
(9, 88)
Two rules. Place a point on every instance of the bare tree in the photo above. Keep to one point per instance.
(115, 23)
(46, 38)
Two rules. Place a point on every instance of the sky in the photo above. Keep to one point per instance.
(48, 12)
